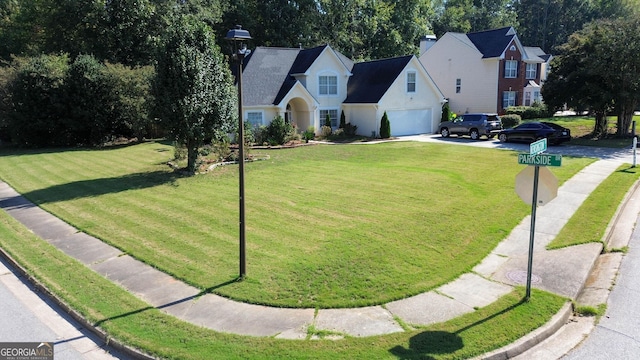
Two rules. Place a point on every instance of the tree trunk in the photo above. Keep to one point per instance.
(602, 123)
(625, 116)
(192, 156)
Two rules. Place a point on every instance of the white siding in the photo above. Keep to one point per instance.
(425, 103)
(452, 58)
(365, 117)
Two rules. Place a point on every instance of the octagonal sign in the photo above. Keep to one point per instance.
(547, 185)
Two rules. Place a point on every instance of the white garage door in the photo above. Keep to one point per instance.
(410, 122)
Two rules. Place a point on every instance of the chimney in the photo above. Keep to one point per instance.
(426, 42)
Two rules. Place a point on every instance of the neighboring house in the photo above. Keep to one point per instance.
(305, 85)
(485, 71)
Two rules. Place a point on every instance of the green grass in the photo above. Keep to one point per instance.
(135, 323)
(582, 126)
(589, 222)
(327, 226)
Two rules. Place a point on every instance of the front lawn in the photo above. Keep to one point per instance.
(582, 126)
(327, 225)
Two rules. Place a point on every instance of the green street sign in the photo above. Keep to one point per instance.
(540, 159)
(538, 147)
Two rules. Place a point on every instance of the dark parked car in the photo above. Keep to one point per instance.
(533, 131)
(473, 125)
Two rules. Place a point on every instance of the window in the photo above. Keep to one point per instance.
(532, 70)
(255, 118)
(328, 85)
(511, 69)
(458, 86)
(536, 97)
(333, 114)
(527, 98)
(508, 99)
(411, 81)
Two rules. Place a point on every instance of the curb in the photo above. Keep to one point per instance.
(40, 288)
(532, 339)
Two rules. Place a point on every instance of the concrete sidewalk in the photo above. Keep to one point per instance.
(563, 272)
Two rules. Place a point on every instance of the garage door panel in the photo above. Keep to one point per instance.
(409, 122)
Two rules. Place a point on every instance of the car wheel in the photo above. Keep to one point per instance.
(444, 132)
(475, 135)
(503, 138)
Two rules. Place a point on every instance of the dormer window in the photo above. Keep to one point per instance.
(411, 81)
(328, 85)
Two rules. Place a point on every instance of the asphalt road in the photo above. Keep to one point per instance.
(617, 335)
(27, 317)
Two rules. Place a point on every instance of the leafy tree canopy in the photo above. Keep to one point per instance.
(599, 69)
(194, 90)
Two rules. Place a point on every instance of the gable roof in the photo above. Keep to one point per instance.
(492, 43)
(268, 73)
(371, 80)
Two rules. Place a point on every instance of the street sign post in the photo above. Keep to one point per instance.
(536, 159)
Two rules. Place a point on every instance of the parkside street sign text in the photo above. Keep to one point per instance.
(540, 159)
(538, 147)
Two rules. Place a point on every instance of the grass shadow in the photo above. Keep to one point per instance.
(430, 343)
(97, 187)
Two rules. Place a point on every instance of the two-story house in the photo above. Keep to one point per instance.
(304, 86)
(485, 71)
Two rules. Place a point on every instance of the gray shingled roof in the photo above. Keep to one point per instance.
(371, 79)
(264, 73)
(536, 54)
(492, 43)
(267, 75)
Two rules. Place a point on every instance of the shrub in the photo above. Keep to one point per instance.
(179, 151)
(343, 121)
(385, 127)
(278, 131)
(132, 88)
(510, 120)
(350, 130)
(37, 91)
(327, 121)
(260, 135)
(530, 112)
(446, 112)
(310, 133)
(325, 131)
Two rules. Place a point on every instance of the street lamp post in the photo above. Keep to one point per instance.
(237, 38)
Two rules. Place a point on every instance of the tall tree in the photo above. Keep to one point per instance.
(599, 69)
(130, 30)
(473, 15)
(549, 23)
(193, 87)
(281, 23)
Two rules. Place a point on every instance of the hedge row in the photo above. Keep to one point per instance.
(51, 100)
